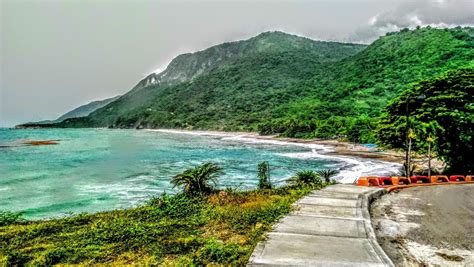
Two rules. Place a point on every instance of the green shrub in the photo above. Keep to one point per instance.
(264, 175)
(220, 253)
(326, 174)
(199, 180)
(307, 177)
(175, 206)
(9, 217)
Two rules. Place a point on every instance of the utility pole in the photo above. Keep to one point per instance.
(429, 139)
(407, 145)
(409, 135)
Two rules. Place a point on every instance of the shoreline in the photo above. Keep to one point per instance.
(360, 160)
(342, 148)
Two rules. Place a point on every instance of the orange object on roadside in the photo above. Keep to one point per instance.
(363, 181)
(368, 181)
(373, 181)
(400, 180)
(469, 178)
(439, 179)
(457, 178)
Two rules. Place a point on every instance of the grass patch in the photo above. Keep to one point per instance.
(222, 228)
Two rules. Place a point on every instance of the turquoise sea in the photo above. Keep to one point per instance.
(101, 169)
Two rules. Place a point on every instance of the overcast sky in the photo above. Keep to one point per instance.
(57, 55)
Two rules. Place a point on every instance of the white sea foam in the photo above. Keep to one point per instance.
(253, 140)
(246, 138)
(202, 133)
(131, 191)
(350, 168)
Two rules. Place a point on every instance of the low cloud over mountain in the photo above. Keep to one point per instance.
(434, 13)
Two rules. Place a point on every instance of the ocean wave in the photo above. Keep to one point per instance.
(253, 140)
(245, 138)
(352, 168)
(199, 133)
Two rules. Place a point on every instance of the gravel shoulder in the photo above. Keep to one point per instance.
(427, 226)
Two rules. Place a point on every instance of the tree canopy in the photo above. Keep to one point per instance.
(439, 110)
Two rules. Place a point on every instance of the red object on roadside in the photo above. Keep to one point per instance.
(385, 180)
(418, 178)
(457, 178)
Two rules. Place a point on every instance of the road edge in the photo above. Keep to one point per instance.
(367, 200)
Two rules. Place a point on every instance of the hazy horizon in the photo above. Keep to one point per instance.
(56, 56)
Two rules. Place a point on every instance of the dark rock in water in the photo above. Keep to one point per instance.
(41, 142)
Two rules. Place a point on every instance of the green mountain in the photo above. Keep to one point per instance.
(281, 83)
(346, 98)
(276, 57)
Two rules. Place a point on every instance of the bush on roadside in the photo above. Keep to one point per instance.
(327, 174)
(199, 180)
(307, 177)
(9, 217)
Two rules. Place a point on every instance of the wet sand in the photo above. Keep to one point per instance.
(427, 226)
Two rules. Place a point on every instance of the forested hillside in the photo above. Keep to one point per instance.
(264, 57)
(280, 83)
(440, 114)
(346, 98)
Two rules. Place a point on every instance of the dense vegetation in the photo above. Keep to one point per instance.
(292, 86)
(345, 99)
(200, 226)
(270, 62)
(440, 111)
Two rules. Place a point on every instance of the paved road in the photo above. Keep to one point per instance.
(331, 227)
(427, 225)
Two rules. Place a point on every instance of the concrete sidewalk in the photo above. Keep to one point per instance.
(331, 227)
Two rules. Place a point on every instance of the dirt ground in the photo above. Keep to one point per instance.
(427, 226)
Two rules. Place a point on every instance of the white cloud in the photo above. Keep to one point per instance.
(409, 14)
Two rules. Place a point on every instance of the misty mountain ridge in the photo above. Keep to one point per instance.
(188, 66)
(87, 109)
(282, 83)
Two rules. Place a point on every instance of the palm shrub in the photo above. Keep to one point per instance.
(306, 177)
(199, 180)
(327, 174)
(263, 170)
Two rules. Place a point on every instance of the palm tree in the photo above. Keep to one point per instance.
(307, 177)
(199, 180)
(327, 174)
(263, 170)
